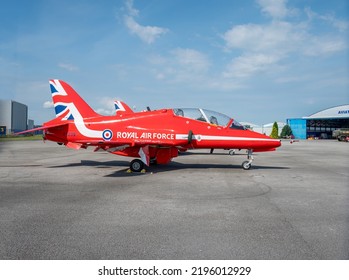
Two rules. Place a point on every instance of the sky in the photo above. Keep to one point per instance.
(257, 61)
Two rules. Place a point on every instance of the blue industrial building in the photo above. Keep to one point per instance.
(321, 124)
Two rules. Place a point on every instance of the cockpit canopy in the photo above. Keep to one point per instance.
(208, 116)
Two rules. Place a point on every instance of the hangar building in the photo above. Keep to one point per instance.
(321, 124)
(13, 116)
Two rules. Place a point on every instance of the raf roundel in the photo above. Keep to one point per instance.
(107, 134)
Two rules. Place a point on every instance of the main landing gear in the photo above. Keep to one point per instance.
(246, 165)
(136, 165)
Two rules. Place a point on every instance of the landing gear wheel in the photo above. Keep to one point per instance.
(136, 165)
(246, 165)
(190, 136)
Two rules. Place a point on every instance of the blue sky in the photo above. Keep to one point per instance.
(255, 60)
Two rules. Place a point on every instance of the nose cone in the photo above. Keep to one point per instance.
(277, 143)
(273, 143)
(265, 143)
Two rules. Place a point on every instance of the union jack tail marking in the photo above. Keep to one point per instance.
(67, 102)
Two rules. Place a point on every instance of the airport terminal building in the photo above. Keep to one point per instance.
(321, 124)
(13, 117)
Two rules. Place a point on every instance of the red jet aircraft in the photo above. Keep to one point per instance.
(150, 136)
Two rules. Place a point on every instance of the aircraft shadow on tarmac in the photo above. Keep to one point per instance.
(172, 166)
(97, 164)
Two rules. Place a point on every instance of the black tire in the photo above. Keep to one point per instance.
(246, 165)
(136, 165)
(190, 136)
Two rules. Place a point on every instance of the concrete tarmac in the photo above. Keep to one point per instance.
(58, 203)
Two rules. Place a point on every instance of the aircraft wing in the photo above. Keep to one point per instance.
(130, 143)
(39, 128)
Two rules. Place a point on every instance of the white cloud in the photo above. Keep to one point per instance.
(323, 46)
(276, 36)
(262, 46)
(107, 106)
(223, 84)
(147, 34)
(249, 64)
(156, 59)
(182, 65)
(160, 76)
(191, 59)
(340, 25)
(48, 105)
(130, 9)
(274, 8)
(282, 38)
(105, 112)
(68, 66)
(266, 46)
(190, 67)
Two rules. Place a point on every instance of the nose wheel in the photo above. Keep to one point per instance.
(246, 165)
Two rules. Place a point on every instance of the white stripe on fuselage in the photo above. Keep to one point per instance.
(222, 138)
(80, 124)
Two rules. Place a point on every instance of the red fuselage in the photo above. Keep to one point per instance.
(162, 130)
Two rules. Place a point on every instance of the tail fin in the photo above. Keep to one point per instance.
(67, 102)
(121, 106)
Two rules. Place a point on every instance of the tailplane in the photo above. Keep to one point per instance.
(67, 102)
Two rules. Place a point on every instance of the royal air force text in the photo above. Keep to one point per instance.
(145, 135)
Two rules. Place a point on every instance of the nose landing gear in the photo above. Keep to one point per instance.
(246, 165)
